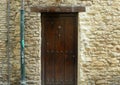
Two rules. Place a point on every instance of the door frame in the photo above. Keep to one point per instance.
(42, 45)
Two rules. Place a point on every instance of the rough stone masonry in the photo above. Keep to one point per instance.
(98, 41)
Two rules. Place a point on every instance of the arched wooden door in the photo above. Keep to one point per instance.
(59, 48)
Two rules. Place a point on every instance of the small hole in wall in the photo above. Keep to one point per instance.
(117, 48)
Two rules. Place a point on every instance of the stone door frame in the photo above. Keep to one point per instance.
(61, 9)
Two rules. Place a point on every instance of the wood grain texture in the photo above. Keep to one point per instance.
(58, 9)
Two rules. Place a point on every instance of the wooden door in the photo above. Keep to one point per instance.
(59, 48)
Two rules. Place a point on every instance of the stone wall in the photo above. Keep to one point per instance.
(3, 41)
(99, 50)
(98, 43)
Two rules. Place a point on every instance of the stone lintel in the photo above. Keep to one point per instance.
(58, 9)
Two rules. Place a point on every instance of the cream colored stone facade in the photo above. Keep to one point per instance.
(98, 41)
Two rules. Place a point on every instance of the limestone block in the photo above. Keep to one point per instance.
(100, 82)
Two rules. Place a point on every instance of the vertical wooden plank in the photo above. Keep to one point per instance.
(59, 57)
(69, 51)
(49, 33)
(42, 50)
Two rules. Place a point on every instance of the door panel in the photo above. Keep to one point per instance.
(59, 48)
